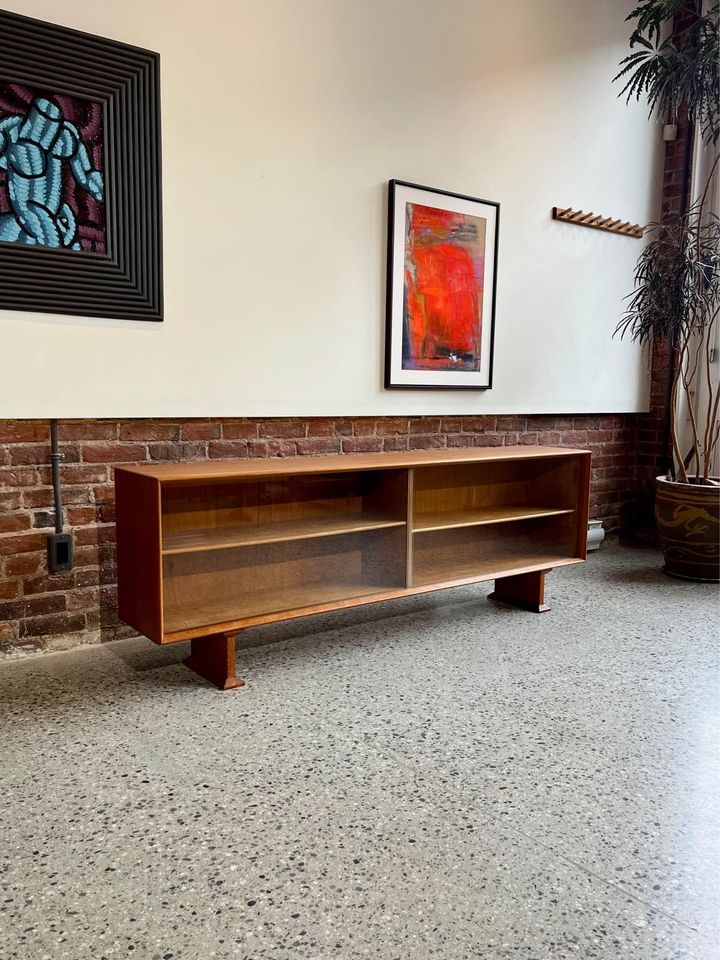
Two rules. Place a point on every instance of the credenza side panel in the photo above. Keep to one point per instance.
(139, 555)
(583, 502)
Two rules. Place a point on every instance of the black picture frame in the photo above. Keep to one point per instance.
(395, 289)
(126, 282)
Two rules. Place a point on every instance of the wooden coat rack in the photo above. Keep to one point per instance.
(594, 220)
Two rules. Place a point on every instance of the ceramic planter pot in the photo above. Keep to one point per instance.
(688, 522)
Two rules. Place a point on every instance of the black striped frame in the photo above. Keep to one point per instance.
(126, 281)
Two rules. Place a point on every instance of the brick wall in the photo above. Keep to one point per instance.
(40, 611)
(654, 449)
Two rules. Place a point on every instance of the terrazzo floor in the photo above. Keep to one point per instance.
(434, 777)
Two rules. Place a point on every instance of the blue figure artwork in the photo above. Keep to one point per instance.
(36, 149)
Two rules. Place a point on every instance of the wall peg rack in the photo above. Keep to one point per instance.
(597, 222)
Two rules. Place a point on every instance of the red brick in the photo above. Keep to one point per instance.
(43, 519)
(362, 444)
(574, 438)
(9, 500)
(51, 603)
(22, 543)
(283, 429)
(87, 430)
(394, 427)
(241, 430)
(24, 564)
(425, 425)
(9, 633)
(86, 536)
(109, 596)
(228, 449)
(451, 424)
(540, 422)
(77, 516)
(318, 445)
(107, 512)
(86, 577)
(599, 436)
(343, 428)
(488, 440)
(399, 442)
(83, 473)
(460, 440)
(427, 442)
(281, 448)
(107, 552)
(12, 610)
(9, 590)
(364, 428)
(108, 573)
(146, 431)
(87, 556)
(172, 452)
(83, 599)
(478, 424)
(257, 449)
(104, 493)
(586, 423)
(14, 523)
(511, 423)
(53, 624)
(113, 453)
(43, 497)
(26, 454)
(24, 431)
(200, 431)
(320, 428)
(528, 439)
(48, 583)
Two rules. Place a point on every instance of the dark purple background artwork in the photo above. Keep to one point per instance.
(87, 116)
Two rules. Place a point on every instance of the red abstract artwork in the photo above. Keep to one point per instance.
(443, 297)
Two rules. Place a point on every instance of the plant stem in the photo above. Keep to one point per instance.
(707, 464)
(682, 473)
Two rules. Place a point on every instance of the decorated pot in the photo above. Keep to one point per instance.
(688, 522)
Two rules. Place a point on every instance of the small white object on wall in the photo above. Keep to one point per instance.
(596, 535)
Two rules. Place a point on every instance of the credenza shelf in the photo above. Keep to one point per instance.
(450, 519)
(207, 549)
(262, 603)
(222, 538)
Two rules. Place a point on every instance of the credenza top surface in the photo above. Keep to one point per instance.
(338, 463)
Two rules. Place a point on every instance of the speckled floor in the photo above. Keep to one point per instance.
(436, 777)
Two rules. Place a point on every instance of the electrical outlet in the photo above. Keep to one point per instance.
(60, 552)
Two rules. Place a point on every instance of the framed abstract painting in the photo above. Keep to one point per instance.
(80, 196)
(442, 272)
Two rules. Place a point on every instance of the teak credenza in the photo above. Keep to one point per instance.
(207, 549)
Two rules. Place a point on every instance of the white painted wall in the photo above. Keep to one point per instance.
(283, 120)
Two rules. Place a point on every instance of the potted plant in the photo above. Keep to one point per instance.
(676, 298)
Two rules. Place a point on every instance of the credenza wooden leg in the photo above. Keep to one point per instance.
(214, 659)
(526, 590)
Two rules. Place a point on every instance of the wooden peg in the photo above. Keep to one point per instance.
(597, 221)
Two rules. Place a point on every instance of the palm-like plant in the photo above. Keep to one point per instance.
(680, 69)
(677, 278)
